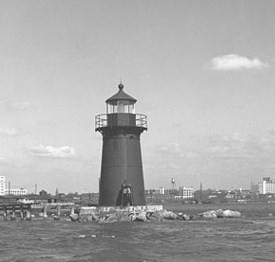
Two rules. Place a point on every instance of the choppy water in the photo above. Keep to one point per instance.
(249, 238)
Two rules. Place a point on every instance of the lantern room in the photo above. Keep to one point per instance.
(120, 112)
(120, 102)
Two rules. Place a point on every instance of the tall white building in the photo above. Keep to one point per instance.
(267, 186)
(186, 192)
(161, 190)
(2, 185)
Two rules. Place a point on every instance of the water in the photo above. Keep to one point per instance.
(249, 238)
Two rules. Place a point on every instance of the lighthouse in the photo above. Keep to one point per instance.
(121, 178)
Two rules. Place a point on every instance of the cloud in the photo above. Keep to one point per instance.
(4, 131)
(191, 155)
(240, 146)
(53, 152)
(272, 132)
(233, 62)
(20, 106)
(171, 147)
(216, 146)
(4, 160)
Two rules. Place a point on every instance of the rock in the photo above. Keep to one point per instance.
(156, 216)
(132, 217)
(74, 217)
(169, 215)
(220, 214)
(180, 216)
(141, 216)
(87, 218)
(231, 214)
(153, 216)
(187, 217)
(149, 214)
(209, 214)
(109, 218)
(123, 217)
(87, 214)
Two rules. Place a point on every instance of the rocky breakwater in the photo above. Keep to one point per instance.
(124, 215)
(94, 214)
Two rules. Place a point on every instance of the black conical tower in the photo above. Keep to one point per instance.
(121, 179)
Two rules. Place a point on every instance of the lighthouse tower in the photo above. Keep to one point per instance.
(121, 180)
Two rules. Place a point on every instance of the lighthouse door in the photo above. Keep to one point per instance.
(125, 197)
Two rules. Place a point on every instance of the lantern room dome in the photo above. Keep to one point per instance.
(120, 96)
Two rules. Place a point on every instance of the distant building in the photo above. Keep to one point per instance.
(2, 185)
(16, 191)
(267, 186)
(161, 190)
(10, 191)
(171, 192)
(43, 193)
(186, 193)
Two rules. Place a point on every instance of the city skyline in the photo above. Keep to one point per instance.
(265, 186)
(202, 71)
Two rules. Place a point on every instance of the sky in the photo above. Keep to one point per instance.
(202, 72)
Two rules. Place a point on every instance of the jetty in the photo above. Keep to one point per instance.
(13, 211)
